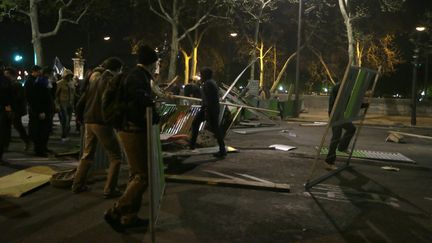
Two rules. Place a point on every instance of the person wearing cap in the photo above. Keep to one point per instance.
(5, 108)
(64, 98)
(133, 137)
(41, 110)
(209, 112)
(96, 130)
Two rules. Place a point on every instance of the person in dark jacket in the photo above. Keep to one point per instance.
(338, 141)
(19, 107)
(5, 108)
(209, 111)
(41, 110)
(35, 72)
(96, 130)
(133, 137)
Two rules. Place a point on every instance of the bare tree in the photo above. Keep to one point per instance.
(31, 11)
(175, 12)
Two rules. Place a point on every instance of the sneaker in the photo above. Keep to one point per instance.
(347, 151)
(113, 194)
(79, 189)
(220, 154)
(28, 146)
(113, 221)
(329, 166)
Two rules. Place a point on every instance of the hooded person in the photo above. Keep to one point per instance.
(64, 98)
(133, 137)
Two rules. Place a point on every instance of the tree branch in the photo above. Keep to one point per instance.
(164, 15)
(62, 20)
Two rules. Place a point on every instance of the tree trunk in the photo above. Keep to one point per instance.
(261, 57)
(36, 39)
(173, 52)
(186, 67)
(349, 29)
(194, 60)
(255, 44)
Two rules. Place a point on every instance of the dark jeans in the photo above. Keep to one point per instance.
(19, 127)
(340, 143)
(65, 115)
(40, 130)
(212, 117)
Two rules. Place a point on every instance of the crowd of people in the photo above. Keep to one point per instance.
(41, 98)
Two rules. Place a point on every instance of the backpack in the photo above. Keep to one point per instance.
(113, 101)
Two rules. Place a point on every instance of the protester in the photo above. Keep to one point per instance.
(19, 108)
(35, 72)
(5, 108)
(209, 111)
(338, 141)
(64, 101)
(133, 137)
(42, 107)
(96, 130)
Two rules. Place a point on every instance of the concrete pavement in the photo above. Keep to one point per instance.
(362, 204)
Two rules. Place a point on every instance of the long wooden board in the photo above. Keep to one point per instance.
(275, 187)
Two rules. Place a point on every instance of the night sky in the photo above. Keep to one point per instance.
(15, 39)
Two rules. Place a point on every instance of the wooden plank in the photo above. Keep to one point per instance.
(411, 135)
(275, 187)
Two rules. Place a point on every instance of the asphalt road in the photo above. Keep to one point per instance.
(361, 204)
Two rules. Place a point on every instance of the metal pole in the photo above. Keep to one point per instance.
(297, 81)
(426, 77)
(414, 89)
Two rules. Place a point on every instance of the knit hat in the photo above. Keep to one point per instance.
(112, 63)
(206, 73)
(67, 72)
(146, 55)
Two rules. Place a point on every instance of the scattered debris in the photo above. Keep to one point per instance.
(276, 187)
(63, 179)
(256, 130)
(314, 124)
(198, 151)
(20, 182)
(390, 168)
(282, 147)
(394, 137)
(250, 124)
(410, 134)
(374, 155)
(428, 198)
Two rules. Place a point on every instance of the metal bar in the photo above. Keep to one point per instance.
(312, 183)
(149, 114)
(238, 78)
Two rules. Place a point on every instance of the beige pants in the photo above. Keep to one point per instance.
(135, 147)
(106, 136)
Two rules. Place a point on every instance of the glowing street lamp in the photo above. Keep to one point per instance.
(420, 28)
(233, 34)
(107, 38)
(18, 58)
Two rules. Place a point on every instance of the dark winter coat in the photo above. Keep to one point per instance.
(210, 96)
(19, 105)
(5, 92)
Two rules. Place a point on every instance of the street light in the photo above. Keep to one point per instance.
(107, 38)
(234, 34)
(18, 58)
(420, 28)
(415, 63)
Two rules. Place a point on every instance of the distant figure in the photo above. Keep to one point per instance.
(65, 95)
(133, 137)
(19, 107)
(209, 112)
(41, 110)
(96, 130)
(5, 108)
